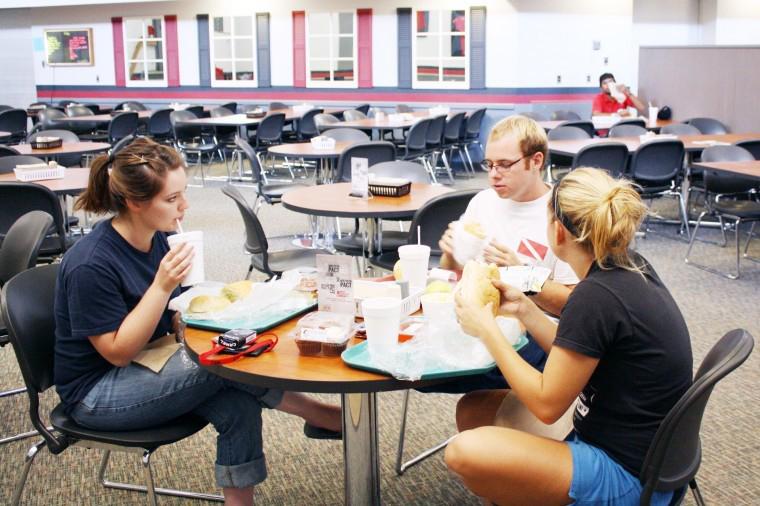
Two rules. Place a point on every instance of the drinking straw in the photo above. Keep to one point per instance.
(179, 226)
(419, 235)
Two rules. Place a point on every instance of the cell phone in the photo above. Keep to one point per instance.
(236, 339)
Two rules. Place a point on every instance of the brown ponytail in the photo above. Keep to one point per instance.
(137, 173)
(602, 213)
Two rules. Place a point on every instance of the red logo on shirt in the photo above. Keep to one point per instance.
(532, 249)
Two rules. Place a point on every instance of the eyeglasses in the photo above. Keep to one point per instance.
(501, 166)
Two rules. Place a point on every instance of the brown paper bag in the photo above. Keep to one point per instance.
(157, 353)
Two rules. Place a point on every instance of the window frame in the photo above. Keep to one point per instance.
(354, 83)
(234, 83)
(129, 82)
(442, 85)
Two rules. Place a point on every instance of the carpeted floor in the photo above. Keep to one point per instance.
(309, 472)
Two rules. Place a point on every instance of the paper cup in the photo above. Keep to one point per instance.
(653, 111)
(466, 245)
(197, 273)
(438, 307)
(382, 317)
(414, 264)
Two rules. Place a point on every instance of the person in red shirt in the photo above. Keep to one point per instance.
(615, 98)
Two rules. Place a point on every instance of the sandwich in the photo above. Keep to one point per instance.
(475, 284)
(237, 290)
(208, 304)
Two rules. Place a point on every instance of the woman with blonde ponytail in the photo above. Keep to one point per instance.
(621, 348)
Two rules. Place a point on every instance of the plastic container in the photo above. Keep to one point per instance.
(389, 187)
(323, 333)
(323, 142)
(39, 171)
(46, 142)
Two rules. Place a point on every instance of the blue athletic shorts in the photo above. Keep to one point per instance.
(599, 480)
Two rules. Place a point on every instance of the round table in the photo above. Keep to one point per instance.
(74, 181)
(284, 368)
(67, 148)
(308, 151)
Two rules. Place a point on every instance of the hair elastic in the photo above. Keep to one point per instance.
(569, 225)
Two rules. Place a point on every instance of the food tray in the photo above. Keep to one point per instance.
(46, 143)
(390, 190)
(257, 322)
(39, 172)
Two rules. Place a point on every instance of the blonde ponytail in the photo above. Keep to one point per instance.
(602, 213)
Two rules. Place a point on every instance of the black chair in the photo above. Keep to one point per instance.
(15, 122)
(563, 115)
(196, 110)
(451, 138)
(626, 130)
(134, 106)
(434, 145)
(586, 126)
(231, 106)
(224, 134)
(95, 108)
(753, 146)
(562, 133)
(307, 127)
(472, 126)
(346, 134)
(322, 120)
(27, 308)
(727, 196)
(708, 126)
(675, 453)
(680, 129)
(189, 140)
(86, 130)
(558, 164)
(122, 125)
(66, 103)
(51, 118)
(364, 108)
(631, 121)
(8, 163)
(537, 116)
(269, 131)
(4, 107)
(270, 263)
(7, 151)
(353, 115)
(373, 151)
(122, 143)
(160, 126)
(656, 166)
(610, 156)
(415, 145)
(19, 253)
(277, 106)
(67, 136)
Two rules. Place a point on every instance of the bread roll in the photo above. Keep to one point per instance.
(238, 290)
(476, 285)
(208, 303)
(475, 229)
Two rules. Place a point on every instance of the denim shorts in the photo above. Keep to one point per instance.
(599, 480)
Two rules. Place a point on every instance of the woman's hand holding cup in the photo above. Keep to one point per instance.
(175, 265)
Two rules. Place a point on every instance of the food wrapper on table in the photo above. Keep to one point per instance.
(528, 279)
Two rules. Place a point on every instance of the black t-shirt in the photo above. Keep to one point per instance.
(100, 281)
(634, 327)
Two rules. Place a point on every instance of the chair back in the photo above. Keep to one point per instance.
(255, 239)
(346, 134)
(324, 119)
(374, 152)
(7, 151)
(160, 125)
(230, 106)
(708, 126)
(223, 132)
(50, 118)
(66, 103)
(307, 127)
(17, 199)
(134, 106)
(586, 126)
(435, 131)
(27, 309)
(353, 115)
(453, 127)
(364, 108)
(720, 182)
(416, 138)
(626, 130)
(567, 133)
(564, 115)
(14, 121)
(270, 128)
(250, 154)
(4, 107)
(434, 217)
(22, 244)
(277, 106)
(610, 156)
(122, 125)
(675, 453)
(220, 112)
(122, 143)
(412, 171)
(753, 146)
(8, 163)
(537, 116)
(184, 132)
(76, 110)
(474, 121)
(632, 121)
(657, 162)
(197, 110)
(680, 129)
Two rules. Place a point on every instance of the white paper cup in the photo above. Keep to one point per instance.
(439, 307)
(466, 245)
(197, 273)
(414, 264)
(653, 111)
(382, 317)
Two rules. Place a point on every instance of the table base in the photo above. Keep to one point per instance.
(360, 449)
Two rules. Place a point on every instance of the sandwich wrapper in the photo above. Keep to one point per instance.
(526, 278)
(157, 353)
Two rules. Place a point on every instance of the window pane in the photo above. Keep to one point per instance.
(154, 28)
(320, 70)
(244, 70)
(346, 23)
(319, 23)
(343, 47)
(155, 71)
(428, 71)
(423, 21)
(319, 47)
(453, 70)
(343, 70)
(135, 50)
(136, 71)
(243, 26)
(223, 70)
(222, 49)
(427, 46)
(457, 20)
(243, 49)
(155, 50)
(454, 46)
(133, 28)
(222, 26)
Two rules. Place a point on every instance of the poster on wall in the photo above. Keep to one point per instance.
(69, 47)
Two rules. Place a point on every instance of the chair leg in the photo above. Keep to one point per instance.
(149, 486)
(250, 270)
(402, 466)
(28, 461)
(728, 275)
(696, 493)
(469, 159)
(447, 166)
(749, 238)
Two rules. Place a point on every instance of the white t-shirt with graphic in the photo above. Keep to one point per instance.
(520, 226)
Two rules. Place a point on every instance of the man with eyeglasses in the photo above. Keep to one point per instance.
(513, 214)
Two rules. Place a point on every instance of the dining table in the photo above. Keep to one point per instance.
(325, 156)
(67, 148)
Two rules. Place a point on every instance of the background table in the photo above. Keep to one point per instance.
(306, 150)
(748, 168)
(67, 148)
(73, 183)
(692, 143)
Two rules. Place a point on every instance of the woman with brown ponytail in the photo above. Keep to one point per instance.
(621, 348)
(111, 301)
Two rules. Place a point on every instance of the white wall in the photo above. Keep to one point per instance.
(17, 76)
(738, 22)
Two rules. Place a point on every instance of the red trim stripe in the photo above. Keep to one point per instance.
(364, 46)
(172, 50)
(299, 49)
(118, 51)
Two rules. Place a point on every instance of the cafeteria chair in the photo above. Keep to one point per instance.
(196, 110)
(160, 126)
(680, 129)
(121, 144)
(631, 121)
(562, 133)
(271, 263)
(451, 139)
(708, 126)
(353, 115)
(752, 145)
(95, 108)
(224, 134)
(586, 126)
(610, 156)
(656, 167)
(306, 127)
(27, 308)
(626, 130)
(86, 130)
(13, 121)
(346, 134)
(269, 133)
(51, 118)
(472, 126)
(19, 253)
(122, 125)
(133, 106)
(434, 145)
(364, 109)
(675, 454)
(277, 106)
(189, 140)
(7, 151)
(66, 103)
(559, 165)
(728, 196)
(564, 115)
(231, 106)
(9, 162)
(70, 160)
(4, 107)
(323, 119)
(415, 146)
(537, 116)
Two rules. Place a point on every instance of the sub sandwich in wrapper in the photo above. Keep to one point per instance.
(237, 290)
(208, 304)
(475, 284)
